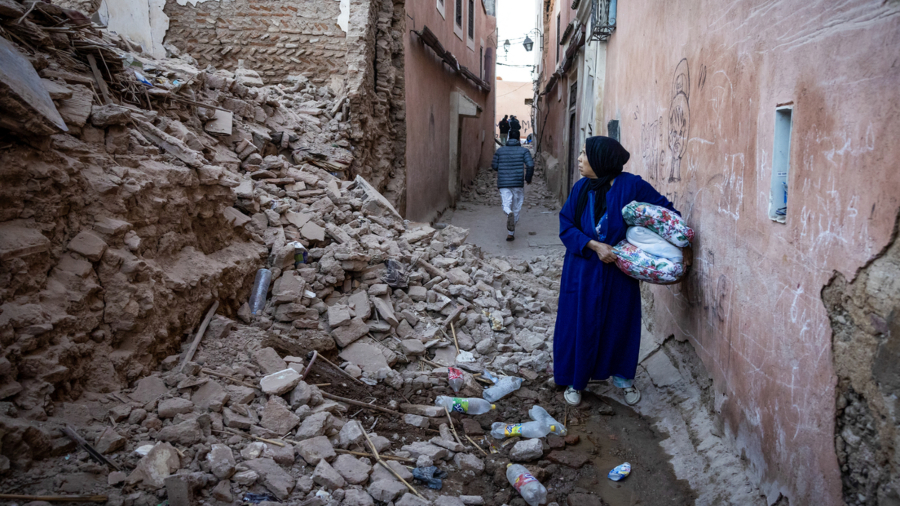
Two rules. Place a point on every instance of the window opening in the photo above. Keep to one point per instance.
(781, 155)
(471, 19)
(459, 13)
(573, 94)
(557, 38)
(612, 129)
(481, 62)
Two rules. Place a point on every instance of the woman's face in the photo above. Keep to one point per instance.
(585, 167)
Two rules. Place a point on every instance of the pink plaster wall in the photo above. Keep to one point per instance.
(752, 306)
(429, 83)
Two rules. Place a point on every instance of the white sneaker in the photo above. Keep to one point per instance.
(632, 395)
(572, 396)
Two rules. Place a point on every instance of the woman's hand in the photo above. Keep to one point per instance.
(604, 251)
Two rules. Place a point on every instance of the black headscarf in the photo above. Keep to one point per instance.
(607, 158)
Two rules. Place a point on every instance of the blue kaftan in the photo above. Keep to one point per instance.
(598, 325)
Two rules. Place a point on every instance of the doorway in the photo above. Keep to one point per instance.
(573, 151)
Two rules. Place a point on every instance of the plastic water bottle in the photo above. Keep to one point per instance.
(619, 472)
(501, 430)
(260, 289)
(504, 387)
(540, 414)
(472, 406)
(455, 377)
(527, 485)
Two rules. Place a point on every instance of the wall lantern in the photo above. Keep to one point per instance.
(528, 43)
(506, 45)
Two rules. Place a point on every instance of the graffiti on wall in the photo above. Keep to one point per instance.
(679, 118)
(652, 152)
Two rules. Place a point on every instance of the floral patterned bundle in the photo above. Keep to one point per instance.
(667, 224)
(643, 266)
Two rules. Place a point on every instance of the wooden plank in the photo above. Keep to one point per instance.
(193, 349)
(101, 83)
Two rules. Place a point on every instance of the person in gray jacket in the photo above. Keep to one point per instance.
(514, 167)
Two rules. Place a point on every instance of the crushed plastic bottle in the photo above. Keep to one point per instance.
(501, 430)
(472, 406)
(504, 387)
(540, 414)
(260, 289)
(455, 377)
(300, 253)
(619, 472)
(526, 485)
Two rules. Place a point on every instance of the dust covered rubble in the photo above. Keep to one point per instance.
(167, 205)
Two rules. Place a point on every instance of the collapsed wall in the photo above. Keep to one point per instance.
(865, 323)
(356, 50)
(119, 231)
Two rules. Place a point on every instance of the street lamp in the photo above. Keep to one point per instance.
(528, 43)
(506, 45)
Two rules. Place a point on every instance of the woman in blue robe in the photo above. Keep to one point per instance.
(598, 326)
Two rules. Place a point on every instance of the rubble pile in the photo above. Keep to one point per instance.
(139, 192)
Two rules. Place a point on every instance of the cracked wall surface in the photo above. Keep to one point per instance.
(865, 323)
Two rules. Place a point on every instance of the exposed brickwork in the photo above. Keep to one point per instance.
(377, 96)
(275, 37)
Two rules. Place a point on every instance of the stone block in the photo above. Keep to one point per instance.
(221, 461)
(169, 408)
(348, 334)
(277, 417)
(273, 477)
(317, 448)
(269, 360)
(325, 475)
(212, 396)
(525, 450)
(352, 469)
(386, 491)
(89, 245)
(280, 382)
(314, 425)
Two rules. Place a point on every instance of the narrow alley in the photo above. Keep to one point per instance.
(449, 253)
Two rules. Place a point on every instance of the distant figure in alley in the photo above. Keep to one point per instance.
(514, 167)
(504, 130)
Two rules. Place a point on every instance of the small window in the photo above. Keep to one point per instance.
(612, 129)
(781, 156)
(573, 94)
(481, 62)
(557, 38)
(440, 8)
(459, 13)
(471, 19)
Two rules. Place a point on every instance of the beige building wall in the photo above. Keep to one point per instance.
(511, 97)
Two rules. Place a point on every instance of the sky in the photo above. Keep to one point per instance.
(515, 18)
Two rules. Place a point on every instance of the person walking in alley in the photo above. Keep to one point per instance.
(504, 130)
(598, 327)
(514, 167)
(515, 127)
